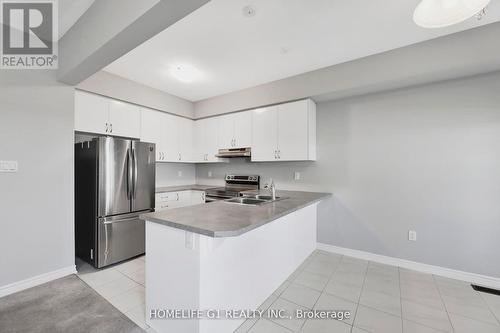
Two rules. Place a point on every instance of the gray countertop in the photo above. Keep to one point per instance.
(222, 219)
(192, 187)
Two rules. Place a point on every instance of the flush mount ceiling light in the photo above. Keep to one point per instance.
(248, 11)
(443, 13)
(185, 73)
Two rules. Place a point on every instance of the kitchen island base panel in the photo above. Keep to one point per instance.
(188, 271)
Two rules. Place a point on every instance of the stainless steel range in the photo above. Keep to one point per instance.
(235, 185)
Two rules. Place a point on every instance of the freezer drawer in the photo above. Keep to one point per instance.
(120, 237)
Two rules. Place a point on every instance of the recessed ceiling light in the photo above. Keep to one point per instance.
(443, 13)
(185, 73)
(249, 11)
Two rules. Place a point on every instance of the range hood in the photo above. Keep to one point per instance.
(235, 152)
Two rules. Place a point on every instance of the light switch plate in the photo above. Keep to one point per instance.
(210, 174)
(179, 173)
(412, 235)
(296, 175)
(8, 166)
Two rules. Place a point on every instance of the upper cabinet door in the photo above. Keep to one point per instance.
(185, 139)
(264, 134)
(170, 138)
(211, 142)
(199, 150)
(91, 113)
(125, 119)
(243, 129)
(226, 131)
(293, 132)
(151, 129)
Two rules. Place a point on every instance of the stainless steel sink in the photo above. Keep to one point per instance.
(246, 201)
(253, 200)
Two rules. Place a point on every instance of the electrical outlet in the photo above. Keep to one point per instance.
(179, 173)
(412, 235)
(296, 175)
(8, 166)
(210, 174)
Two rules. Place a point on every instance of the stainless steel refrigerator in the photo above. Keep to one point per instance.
(114, 184)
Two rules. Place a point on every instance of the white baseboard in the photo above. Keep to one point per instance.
(36, 280)
(483, 280)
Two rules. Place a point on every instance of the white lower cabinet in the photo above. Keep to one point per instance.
(169, 200)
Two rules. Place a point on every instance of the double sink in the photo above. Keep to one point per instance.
(253, 199)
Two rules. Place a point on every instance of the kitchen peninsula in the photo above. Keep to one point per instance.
(224, 256)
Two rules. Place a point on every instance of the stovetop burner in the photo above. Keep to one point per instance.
(235, 184)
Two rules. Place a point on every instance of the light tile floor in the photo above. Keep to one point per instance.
(381, 298)
(122, 285)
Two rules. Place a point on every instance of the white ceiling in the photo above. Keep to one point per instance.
(284, 38)
(69, 12)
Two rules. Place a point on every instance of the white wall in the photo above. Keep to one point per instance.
(36, 204)
(117, 87)
(424, 158)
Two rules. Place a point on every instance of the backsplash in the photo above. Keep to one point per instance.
(173, 174)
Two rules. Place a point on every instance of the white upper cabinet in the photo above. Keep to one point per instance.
(206, 140)
(124, 119)
(297, 131)
(186, 135)
(226, 131)
(265, 134)
(151, 130)
(91, 113)
(243, 129)
(171, 132)
(97, 114)
(285, 132)
(235, 130)
(173, 135)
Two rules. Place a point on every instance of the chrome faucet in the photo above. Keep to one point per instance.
(271, 187)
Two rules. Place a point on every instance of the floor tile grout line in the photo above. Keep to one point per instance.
(490, 307)
(468, 317)
(323, 290)
(360, 293)
(442, 300)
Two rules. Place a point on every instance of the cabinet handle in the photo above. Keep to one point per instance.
(111, 128)
(106, 127)
(279, 154)
(177, 196)
(179, 160)
(275, 154)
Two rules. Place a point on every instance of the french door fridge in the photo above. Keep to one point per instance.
(114, 184)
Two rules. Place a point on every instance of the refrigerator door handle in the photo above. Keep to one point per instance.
(135, 172)
(129, 175)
